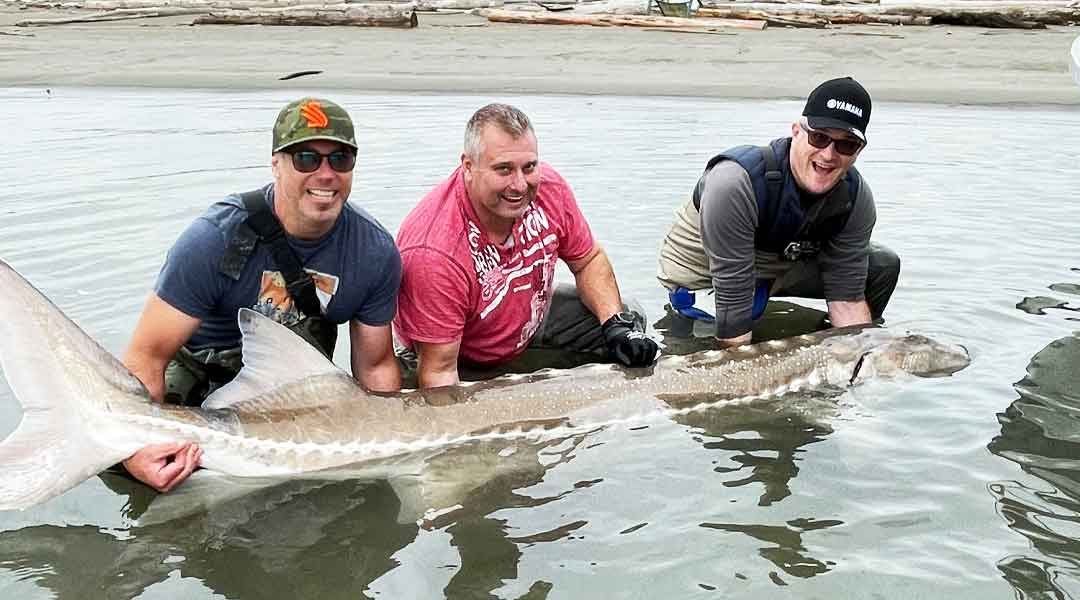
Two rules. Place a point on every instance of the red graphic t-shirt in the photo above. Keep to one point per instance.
(457, 284)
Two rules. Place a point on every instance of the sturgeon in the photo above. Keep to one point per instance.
(291, 412)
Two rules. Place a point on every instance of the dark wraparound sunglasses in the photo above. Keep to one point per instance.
(309, 161)
(821, 140)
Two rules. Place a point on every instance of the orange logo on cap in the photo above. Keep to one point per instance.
(314, 114)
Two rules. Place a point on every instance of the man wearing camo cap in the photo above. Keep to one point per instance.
(295, 251)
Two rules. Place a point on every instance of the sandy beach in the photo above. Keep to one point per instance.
(462, 53)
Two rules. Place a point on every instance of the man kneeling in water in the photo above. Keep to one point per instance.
(293, 250)
(479, 255)
(791, 218)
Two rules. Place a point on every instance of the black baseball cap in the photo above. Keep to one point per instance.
(839, 104)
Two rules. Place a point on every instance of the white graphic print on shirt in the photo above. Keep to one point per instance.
(530, 266)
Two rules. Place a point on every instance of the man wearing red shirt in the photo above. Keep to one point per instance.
(478, 263)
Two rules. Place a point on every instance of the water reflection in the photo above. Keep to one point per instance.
(489, 554)
(786, 548)
(1038, 305)
(762, 441)
(301, 538)
(1040, 431)
(760, 445)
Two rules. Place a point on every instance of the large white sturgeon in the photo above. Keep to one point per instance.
(291, 411)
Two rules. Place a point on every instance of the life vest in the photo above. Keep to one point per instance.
(785, 226)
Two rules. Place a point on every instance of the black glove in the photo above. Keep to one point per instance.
(626, 344)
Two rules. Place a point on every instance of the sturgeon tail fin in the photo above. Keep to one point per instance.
(65, 383)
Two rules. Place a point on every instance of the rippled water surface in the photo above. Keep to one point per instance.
(963, 487)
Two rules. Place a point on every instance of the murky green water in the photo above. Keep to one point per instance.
(965, 487)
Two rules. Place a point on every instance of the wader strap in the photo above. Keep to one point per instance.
(297, 281)
(774, 179)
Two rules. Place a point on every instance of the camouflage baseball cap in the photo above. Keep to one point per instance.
(312, 119)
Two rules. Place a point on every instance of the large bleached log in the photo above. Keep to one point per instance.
(1006, 13)
(956, 12)
(206, 5)
(112, 15)
(613, 7)
(510, 16)
(150, 4)
(772, 18)
(430, 5)
(780, 16)
(355, 15)
(865, 19)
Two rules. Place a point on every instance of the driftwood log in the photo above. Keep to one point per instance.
(983, 14)
(433, 5)
(863, 19)
(599, 20)
(205, 5)
(772, 18)
(792, 13)
(353, 15)
(712, 3)
(238, 4)
(112, 15)
(784, 17)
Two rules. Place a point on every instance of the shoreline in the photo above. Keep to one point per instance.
(465, 54)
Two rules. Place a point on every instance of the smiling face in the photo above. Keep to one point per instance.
(308, 204)
(818, 170)
(501, 179)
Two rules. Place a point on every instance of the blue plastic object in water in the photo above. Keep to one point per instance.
(761, 298)
(682, 301)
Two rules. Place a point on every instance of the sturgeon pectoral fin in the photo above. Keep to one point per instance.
(273, 357)
(202, 491)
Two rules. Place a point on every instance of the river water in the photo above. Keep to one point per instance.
(961, 487)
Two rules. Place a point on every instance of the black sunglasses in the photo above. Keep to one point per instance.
(309, 161)
(821, 140)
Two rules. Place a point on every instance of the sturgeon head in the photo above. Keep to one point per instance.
(876, 352)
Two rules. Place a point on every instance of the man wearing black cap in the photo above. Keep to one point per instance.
(792, 218)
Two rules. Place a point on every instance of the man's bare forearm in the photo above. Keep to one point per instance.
(844, 313)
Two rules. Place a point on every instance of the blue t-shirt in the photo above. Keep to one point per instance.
(356, 268)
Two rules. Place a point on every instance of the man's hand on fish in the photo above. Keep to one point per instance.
(627, 345)
(164, 466)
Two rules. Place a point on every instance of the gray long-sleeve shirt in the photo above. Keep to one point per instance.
(714, 247)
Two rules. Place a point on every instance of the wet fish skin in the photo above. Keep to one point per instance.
(292, 412)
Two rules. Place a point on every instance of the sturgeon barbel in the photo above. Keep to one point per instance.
(292, 412)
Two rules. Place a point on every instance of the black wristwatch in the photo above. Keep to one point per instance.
(623, 319)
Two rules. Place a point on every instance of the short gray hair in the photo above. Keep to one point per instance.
(507, 118)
